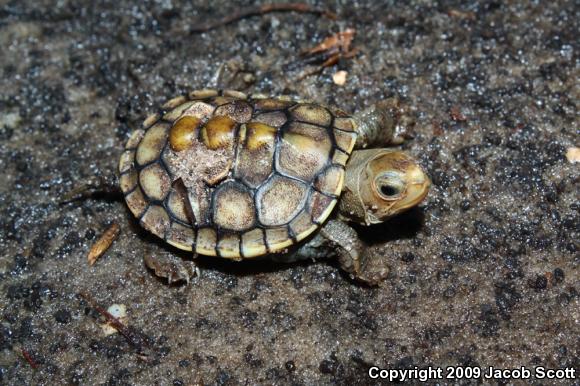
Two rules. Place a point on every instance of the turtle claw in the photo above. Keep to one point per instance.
(373, 271)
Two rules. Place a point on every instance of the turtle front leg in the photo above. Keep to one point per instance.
(354, 257)
(338, 239)
(387, 122)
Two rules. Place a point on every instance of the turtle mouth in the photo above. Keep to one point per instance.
(418, 185)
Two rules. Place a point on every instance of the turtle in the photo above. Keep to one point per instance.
(221, 173)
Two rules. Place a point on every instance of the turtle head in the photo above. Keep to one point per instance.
(379, 184)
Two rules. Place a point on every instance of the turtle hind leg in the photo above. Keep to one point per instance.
(165, 265)
(98, 185)
(232, 75)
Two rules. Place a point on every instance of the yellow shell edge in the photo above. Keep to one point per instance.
(278, 247)
(179, 245)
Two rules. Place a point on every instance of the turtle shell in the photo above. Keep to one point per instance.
(233, 176)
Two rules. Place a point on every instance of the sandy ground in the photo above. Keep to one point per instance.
(484, 273)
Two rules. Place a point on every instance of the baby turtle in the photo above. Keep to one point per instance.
(223, 174)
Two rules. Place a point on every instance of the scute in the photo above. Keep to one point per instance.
(134, 140)
(344, 141)
(239, 110)
(206, 241)
(156, 220)
(218, 132)
(253, 243)
(256, 146)
(152, 143)
(339, 157)
(221, 100)
(183, 133)
(155, 182)
(176, 112)
(304, 150)
(127, 160)
(271, 118)
(233, 207)
(272, 104)
(229, 246)
(302, 225)
(203, 93)
(150, 120)
(128, 181)
(181, 236)
(344, 123)
(199, 109)
(311, 113)
(320, 206)
(235, 94)
(136, 202)
(330, 181)
(277, 239)
(236, 177)
(173, 103)
(279, 200)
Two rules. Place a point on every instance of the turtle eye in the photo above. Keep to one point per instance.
(389, 185)
(390, 190)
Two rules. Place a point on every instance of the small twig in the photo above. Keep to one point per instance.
(262, 10)
(339, 42)
(136, 339)
(29, 359)
(330, 51)
(307, 74)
